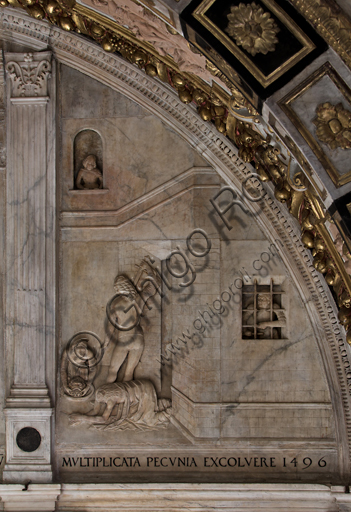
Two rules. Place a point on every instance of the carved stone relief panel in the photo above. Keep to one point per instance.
(134, 400)
(153, 291)
(212, 373)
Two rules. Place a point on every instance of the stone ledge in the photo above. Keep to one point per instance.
(175, 497)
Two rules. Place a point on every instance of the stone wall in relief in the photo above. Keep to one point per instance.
(182, 393)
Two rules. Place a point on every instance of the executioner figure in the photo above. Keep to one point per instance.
(124, 312)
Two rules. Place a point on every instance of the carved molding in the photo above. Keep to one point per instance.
(330, 21)
(222, 154)
(128, 497)
(29, 74)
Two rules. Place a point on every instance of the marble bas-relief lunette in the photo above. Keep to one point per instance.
(134, 401)
(217, 399)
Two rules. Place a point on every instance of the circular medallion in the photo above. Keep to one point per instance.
(28, 439)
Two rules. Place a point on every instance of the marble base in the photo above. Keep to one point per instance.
(24, 466)
(166, 497)
(16, 498)
(252, 419)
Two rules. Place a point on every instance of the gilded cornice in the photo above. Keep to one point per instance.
(273, 164)
(331, 23)
(70, 16)
(232, 117)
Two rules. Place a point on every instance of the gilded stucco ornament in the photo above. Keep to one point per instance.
(331, 23)
(252, 28)
(237, 101)
(210, 101)
(333, 124)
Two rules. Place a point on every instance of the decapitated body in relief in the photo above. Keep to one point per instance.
(136, 406)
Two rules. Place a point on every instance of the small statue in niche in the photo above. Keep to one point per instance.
(78, 364)
(89, 177)
(136, 403)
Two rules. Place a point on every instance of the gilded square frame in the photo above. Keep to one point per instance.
(307, 45)
(286, 105)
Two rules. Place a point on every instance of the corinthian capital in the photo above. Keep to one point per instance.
(28, 73)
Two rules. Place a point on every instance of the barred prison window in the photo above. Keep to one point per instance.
(263, 315)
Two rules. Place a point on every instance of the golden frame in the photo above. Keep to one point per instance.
(307, 45)
(285, 105)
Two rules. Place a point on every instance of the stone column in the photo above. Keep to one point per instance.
(30, 276)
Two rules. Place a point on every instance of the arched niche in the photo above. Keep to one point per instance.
(86, 143)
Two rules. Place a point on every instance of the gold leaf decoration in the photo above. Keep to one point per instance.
(333, 124)
(252, 28)
(331, 23)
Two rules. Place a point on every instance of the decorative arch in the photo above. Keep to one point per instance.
(219, 152)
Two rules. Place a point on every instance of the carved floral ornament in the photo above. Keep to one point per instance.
(252, 28)
(333, 124)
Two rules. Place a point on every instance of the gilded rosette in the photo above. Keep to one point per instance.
(252, 28)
